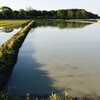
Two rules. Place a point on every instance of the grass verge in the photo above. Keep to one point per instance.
(50, 97)
(8, 54)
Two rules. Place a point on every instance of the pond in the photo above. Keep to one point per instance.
(57, 57)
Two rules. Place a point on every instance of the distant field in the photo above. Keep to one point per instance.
(12, 23)
(85, 20)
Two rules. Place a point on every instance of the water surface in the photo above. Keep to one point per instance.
(58, 57)
(7, 32)
(6, 35)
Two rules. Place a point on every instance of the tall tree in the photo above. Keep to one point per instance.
(22, 13)
(84, 13)
(62, 13)
(71, 14)
(79, 14)
(1, 16)
(6, 12)
(15, 14)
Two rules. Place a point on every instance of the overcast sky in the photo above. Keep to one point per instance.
(89, 5)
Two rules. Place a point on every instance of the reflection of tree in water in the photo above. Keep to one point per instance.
(76, 24)
(11, 28)
(53, 23)
(7, 30)
(60, 24)
(27, 77)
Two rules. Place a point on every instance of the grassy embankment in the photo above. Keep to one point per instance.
(8, 53)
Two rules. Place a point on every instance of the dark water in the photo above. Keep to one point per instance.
(58, 57)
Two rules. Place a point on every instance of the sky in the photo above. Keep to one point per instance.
(89, 5)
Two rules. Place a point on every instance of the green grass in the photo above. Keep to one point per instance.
(9, 24)
(8, 96)
(12, 22)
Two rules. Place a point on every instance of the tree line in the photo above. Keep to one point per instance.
(8, 13)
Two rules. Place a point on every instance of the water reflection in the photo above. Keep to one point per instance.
(11, 28)
(71, 58)
(7, 30)
(4, 37)
(54, 60)
(27, 76)
(60, 24)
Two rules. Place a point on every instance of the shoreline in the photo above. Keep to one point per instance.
(84, 20)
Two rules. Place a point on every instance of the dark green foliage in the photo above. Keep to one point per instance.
(71, 14)
(6, 12)
(60, 23)
(21, 13)
(79, 15)
(15, 14)
(91, 15)
(7, 96)
(62, 13)
(1, 15)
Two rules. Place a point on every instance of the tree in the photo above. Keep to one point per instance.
(92, 15)
(53, 14)
(39, 13)
(6, 12)
(84, 14)
(21, 14)
(79, 14)
(62, 13)
(15, 14)
(71, 14)
(1, 16)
